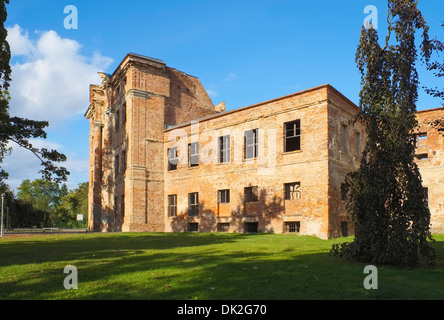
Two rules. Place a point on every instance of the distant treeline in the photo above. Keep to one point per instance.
(41, 203)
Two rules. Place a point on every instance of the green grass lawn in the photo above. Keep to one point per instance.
(199, 266)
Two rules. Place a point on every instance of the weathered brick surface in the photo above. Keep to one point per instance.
(432, 168)
(161, 106)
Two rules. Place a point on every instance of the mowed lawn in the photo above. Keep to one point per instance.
(196, 266)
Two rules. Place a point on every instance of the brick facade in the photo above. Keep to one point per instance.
(276, 166)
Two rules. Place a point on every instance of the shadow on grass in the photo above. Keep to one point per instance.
(210, 266)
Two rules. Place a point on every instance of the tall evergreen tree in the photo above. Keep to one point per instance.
(386, 198)
(20, 130)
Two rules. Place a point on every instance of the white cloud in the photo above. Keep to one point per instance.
(22, 164)
(51, 82)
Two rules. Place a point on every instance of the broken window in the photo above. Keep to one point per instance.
(251, 144)
(251, 194)
(421, 139)
(292, 136)
(193, 204)
(292, 191)
(173, 159)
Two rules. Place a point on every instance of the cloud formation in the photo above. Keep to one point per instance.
(50, 81)
(51, 78)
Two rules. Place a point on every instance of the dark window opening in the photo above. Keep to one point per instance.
(423, 156)
(251, 194)
(223, 227)
(344, 229)
(193, 227)
(117, 120)
(250, 227)
(116, 166)
(292, 136)
(292, 191)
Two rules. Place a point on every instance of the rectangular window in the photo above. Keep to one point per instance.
(172, 205)
(117, 120)
(421, 139)
(223, 227)
(122, 205)
(193, 154)
(423, 156)
(250, 227)
(193, 204)
(251, 194)
(224, 196)
(358, 144)
(124, 113)
(292, 226)
(123, 162)
(193, 227)
(224, 149)
(251, 144)
(115, 206)
(292, 191)
(344, 229)
(173, 159)
(344, 137)
(116, 166)
(292, 136)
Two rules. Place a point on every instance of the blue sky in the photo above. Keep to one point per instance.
(244, 52)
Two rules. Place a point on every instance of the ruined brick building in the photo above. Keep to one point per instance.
(163, 158)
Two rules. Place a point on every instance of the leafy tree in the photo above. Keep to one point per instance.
(75, 202)
(20, 130)
(22, 214)
(385, 195)
(45, 196)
